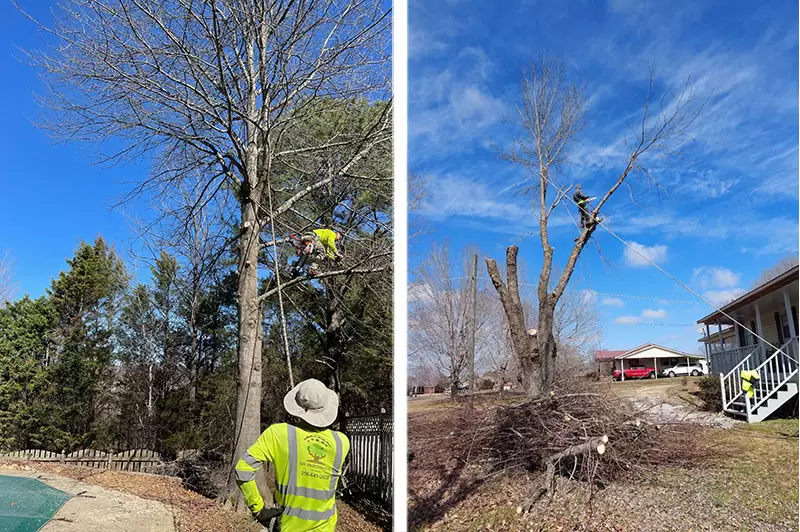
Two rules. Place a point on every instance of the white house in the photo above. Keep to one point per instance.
(760, 334)
(650, 355)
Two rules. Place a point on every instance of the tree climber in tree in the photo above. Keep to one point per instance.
(307, 458)
(583, 206)
(320, 244)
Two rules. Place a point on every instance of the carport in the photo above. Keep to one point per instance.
(652, 355)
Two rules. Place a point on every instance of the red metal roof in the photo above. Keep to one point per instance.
(608, 355)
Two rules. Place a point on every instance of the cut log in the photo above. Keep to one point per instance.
(548, 485)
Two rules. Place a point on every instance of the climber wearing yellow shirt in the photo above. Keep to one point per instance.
(320, 244)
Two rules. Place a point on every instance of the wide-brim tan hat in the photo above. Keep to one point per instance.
(312, 402)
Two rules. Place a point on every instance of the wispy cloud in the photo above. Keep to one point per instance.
(483, 205)
(755, 232)
(647, 314)
(722, 297)
(612, 302)
(638, 255)
(714, 277)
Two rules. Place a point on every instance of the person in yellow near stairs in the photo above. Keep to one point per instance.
(320, 245)
(307, 458)
(749, 378)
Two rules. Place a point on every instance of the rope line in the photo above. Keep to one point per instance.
(662, 270)
(280, 288)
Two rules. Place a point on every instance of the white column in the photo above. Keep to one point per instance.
(760, 331)
(708, 340)
(622, 371)
(721, 343)
(655, 365)
(789, 316)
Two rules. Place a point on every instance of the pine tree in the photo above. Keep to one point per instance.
(85, 300)
(25, 328)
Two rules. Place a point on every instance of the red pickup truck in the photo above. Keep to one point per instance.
(635, 372)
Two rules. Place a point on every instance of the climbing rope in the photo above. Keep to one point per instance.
(675, 279)
(280, 288)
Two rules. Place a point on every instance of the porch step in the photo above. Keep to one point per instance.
(778, 398)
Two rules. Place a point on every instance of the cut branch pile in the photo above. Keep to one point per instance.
(588, 437)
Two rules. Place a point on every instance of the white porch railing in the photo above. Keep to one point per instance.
(731, 384)
(778, 369)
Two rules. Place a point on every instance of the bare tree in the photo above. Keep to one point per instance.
(7, 288)
(224, 94)
(551, 114)
(577, 332)
(440, 313)
(417, 192)
(782, 266)
(497, 353)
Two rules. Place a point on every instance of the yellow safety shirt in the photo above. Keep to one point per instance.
(308, 464)
(748, 378)
(328, 239)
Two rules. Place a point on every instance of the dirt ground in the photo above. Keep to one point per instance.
(137, 502)
(751, 484)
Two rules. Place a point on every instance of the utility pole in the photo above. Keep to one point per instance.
(473, 320)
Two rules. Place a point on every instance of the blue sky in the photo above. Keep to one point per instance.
(54, 195)
(731, 204)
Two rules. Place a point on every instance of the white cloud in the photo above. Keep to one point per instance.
(612, 302)
(647, 314)
(588, 296)
(482, 205)
(638, 254)
(722, 297)
(714, 277)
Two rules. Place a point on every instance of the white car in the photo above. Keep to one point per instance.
(687, 368)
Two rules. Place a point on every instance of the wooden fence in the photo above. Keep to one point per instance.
(137, 460)
(371, 459)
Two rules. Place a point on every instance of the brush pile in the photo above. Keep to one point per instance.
(591, 437)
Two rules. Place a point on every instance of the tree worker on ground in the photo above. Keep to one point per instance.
(307, 457)
(320, 244)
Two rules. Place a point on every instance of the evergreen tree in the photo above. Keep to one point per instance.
(85, 300)
(25, 328)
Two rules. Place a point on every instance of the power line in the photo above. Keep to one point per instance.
(598, 293)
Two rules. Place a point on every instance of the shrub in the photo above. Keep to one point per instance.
(486, 384)
(710, 393)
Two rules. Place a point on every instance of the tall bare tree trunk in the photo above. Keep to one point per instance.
(248, 412)
(525, 345)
